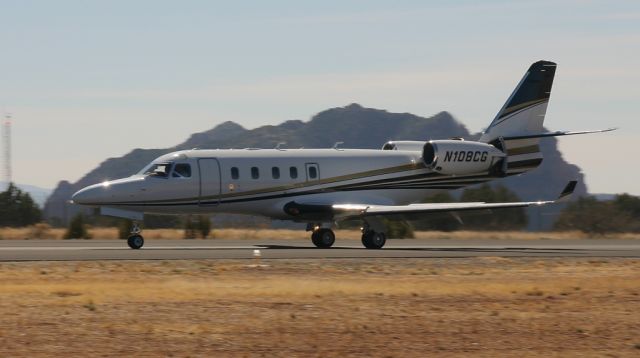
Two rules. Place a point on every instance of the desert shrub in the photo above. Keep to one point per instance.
(40, 231)
(190, 228)
(204, 226)
(399, 229)
(77, 228)
(590, 215)
(17, 208)
(497, 219)
(629, 206)
(124, 229)
(56, 222)
(438, 221)
(197, 226)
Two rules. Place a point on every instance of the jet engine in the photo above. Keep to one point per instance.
(459, 157)
(404, 145)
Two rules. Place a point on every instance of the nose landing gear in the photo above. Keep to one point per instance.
(135, 240)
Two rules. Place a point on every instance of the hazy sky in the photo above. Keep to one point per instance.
(89, 80)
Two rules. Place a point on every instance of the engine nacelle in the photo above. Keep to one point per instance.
(457, 157)
(411, 145)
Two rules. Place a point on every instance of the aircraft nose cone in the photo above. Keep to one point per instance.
(81, 196)
(89, 195)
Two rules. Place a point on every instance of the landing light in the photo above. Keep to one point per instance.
(106, 183)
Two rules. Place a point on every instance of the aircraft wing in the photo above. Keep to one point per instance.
(349, 211)
(373, 210)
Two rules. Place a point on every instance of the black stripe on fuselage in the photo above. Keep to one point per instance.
(423, 178)
(440, 185)
(529, 163)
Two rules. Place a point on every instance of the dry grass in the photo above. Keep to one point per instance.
(101, 233)
(521, 235)
(332, 308)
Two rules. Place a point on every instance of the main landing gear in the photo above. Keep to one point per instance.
(135, 240)
(373, 239)
(325, 238)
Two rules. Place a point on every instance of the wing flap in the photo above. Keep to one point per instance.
(372, 210)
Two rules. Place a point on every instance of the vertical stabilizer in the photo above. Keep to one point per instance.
(523, 114)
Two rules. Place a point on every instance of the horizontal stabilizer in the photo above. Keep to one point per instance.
(557, 134)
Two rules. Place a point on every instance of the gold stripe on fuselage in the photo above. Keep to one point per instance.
(341, 178)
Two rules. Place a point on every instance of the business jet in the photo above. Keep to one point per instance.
(321, 187)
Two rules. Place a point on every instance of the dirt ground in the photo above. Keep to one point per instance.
(327, 308)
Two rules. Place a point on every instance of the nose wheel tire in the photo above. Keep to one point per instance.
(373, 240)
(135, 241)
(323, 238)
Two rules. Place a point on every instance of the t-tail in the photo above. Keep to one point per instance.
(523, 114)
(518, 127)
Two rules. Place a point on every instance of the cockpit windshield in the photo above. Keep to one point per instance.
(158, 169)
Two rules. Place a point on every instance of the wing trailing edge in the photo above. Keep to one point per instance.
(347, 211)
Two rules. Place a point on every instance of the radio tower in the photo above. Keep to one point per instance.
(6, 148)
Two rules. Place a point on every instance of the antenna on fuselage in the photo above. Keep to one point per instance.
(335, 146)
(279, 144)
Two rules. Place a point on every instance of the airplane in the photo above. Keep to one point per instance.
(321, 187)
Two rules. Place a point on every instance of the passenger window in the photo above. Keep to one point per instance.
(275, 172)
(182, 170)
(313, 172)
(293, 172)
(255, 173)
(235, 173)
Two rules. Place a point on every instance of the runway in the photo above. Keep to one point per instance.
(78, 250)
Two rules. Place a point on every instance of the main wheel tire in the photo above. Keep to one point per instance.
(135, 241)
(366, 238)
(323, 238)
(373, 239)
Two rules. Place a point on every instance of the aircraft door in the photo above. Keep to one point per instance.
(313, 171)
(209, 181)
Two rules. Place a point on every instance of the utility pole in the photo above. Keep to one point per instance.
(6, 148)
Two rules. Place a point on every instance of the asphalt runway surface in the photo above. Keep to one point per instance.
(78, 250)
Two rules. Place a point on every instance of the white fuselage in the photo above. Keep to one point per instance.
(263, 181)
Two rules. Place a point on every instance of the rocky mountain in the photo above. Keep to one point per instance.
(356, 126)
